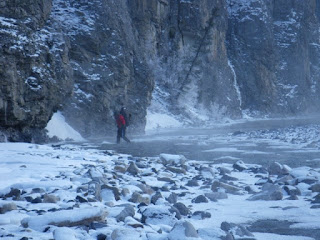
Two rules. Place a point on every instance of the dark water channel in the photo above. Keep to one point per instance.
(220, 145)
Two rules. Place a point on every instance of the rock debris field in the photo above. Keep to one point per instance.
(75, 192)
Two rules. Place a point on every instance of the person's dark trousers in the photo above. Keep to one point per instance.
(121, 133)
(118, 135)
(124, 134)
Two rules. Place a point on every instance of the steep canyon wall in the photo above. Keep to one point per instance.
(197, 60)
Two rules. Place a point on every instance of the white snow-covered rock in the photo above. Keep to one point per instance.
(170, 159)
(64, 233)
(62, 218)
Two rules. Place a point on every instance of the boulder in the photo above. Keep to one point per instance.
(240, 166)
(201, 215)
(138, 198)
(185, 211)
(214, 196)
(50, 198)
(133, 169)
(182, 230)
(216, 185)
(200, 199)
(170, 159)
(269, 192)
(156, 215)
(65, 218)
(128, 211)
(7, 207)
(173, 197)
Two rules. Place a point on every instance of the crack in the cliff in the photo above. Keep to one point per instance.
(207, 29)
(179, 28)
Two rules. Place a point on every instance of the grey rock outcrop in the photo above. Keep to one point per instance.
(35, 71)
(274, 48)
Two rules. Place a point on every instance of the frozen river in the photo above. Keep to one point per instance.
(231, 142)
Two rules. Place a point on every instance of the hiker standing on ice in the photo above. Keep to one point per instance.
(121, 124)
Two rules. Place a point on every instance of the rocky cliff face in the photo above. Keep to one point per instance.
(274, 47)
(34, 68)
(198, 60)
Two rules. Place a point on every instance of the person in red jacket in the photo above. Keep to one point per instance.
(121, 125)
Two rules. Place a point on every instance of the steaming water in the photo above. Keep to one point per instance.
(219, 144)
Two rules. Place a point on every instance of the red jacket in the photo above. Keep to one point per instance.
(120, 121)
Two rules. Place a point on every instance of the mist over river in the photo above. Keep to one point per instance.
(229, 143)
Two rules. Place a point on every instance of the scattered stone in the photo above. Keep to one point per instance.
(192, 183)
(115, 191)
(182, 208)
(173, 198)
(133, 169)
(49, 198)
(200, 199)
(176, 170)
(128, 211)
(81, 199)
(251, 189)
(125, 192)
(316, 199)
(64, 233)
(308, 180)
(262, 181)
(65, 218)
(214, 196)
(156, 197)
(315, 187)
(224, 171)
(176, 212)
(201, 215)
(120, 169)
(38, 190)
(170, 159)
(166, 179)
(125, 234)
(317, 206)
(269, 192)
(145, 188)
(227, 177)
(14, 193)
(292, 191)
(238, 231)
(216, 185)
(286, 180)
(182, 230)
(294, 197)
(101, 236)
(98, 225)
(37, 200)
(155, 214)
(28, 198)
(7, 207)
(240, 166)
(130, 221)
(138, 198)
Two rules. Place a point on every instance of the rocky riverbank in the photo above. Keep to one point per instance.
(78, 192)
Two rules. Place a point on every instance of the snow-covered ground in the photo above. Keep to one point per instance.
(69, 191)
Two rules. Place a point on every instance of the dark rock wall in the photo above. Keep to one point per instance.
(34, 68)
(274, 46)
(109, 67)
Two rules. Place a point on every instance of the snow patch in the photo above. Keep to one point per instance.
(160, 120)
(58, 127)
